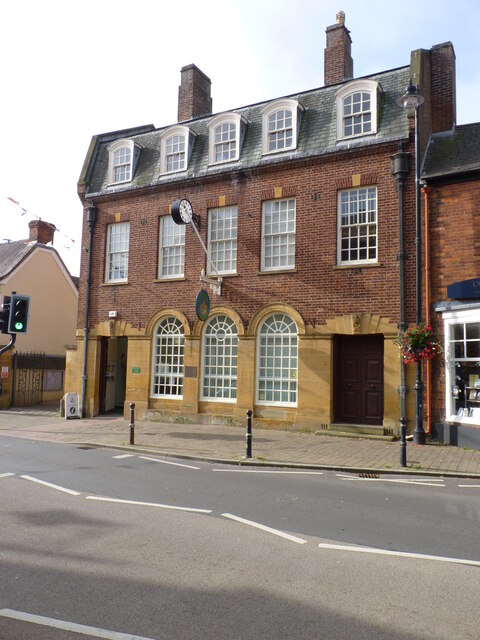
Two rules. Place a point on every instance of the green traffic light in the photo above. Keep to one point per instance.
(19, 326)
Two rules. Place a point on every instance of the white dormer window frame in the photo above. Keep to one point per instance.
(176, 147)
(357, 109)
(280, 126)
(122, 161)
(226, 132)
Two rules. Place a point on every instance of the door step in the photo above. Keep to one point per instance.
(348, 430)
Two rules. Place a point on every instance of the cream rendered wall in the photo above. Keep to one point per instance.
(53, 302)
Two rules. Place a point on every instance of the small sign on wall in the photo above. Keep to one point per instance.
(4, 373)
(136, 370)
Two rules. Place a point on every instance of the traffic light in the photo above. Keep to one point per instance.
(5, 314)
(18, 320)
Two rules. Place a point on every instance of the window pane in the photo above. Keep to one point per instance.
(219, 379)
(117, 251)
(278, 246)
(358, 240)
(172, 248)
(168, 359)
(277, 382)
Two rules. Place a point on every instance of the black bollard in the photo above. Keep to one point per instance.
(132, 423)
(249, 433)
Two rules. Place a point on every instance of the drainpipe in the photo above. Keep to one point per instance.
(92, 214)
(426, 192)
(400, 167)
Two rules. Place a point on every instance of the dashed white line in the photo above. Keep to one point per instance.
(262, 527)
(401, 554)
(123, 455)
(6, 475)
(175, 464)
(288, 473)
(147, 504)
(469, 486)
(52, 486)
(65, 625)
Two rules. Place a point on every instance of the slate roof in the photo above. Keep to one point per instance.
(12, 253)
(454, 152)
(317, 136)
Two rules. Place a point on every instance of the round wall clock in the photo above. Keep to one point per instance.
(182, 211)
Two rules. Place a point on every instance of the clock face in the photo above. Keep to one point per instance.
(182, 212)
(185, 210)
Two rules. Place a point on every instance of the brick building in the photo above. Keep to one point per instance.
(451, 175)
(298, 208)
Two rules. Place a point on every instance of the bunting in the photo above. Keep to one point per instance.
(24, 211)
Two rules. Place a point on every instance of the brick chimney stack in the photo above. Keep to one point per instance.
(41, 231)
(194, 94)
(338, 62)
(444, 104)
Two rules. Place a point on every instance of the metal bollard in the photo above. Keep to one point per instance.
(249, 433)
(132, 423)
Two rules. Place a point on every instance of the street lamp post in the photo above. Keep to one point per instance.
(410, 102)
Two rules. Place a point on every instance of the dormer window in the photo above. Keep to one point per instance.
(357, 109)
(176, 147)
(281, 123)
(123, 156)
(226, 135)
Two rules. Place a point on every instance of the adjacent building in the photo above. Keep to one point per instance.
(305, 205)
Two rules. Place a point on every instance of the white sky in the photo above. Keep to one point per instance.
(73, 69)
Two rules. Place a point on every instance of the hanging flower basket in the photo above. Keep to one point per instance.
(418, 343)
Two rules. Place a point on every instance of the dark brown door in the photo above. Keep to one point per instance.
(358, 379)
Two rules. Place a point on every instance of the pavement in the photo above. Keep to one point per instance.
(227, 444)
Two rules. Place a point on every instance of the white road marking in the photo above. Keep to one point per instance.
(288, 473)
(262, 527)
(52, 486)
(64, 625)
(123, 455)
(175, 464)
(6, 475)
(147, 504)
(431, 483)
(469, 486)
(401, 554)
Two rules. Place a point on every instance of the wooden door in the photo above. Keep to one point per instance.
(358, 379)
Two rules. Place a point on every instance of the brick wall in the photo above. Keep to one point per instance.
(317, 288)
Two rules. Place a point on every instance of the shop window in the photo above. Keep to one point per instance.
(463, 369)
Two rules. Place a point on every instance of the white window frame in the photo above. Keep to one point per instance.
(358, 86)
(450, 319)
(278, 235)
(219, 360)
(360, 226)
(222, 239)
(188, 137)
(270, 110)
(167, 358)
(117, 251)
(224, 119)
(129, 164)
(172, 245)
(277, 362)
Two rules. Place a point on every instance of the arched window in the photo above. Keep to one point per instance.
(176, 147)
(280, 125)
(167, 378)
(357, 108)
(122, 160)
(277, 361)
(226, 133)
(220, 340)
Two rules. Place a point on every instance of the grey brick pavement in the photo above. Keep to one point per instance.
(227, 443)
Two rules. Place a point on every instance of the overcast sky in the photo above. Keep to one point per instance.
(74, 69)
